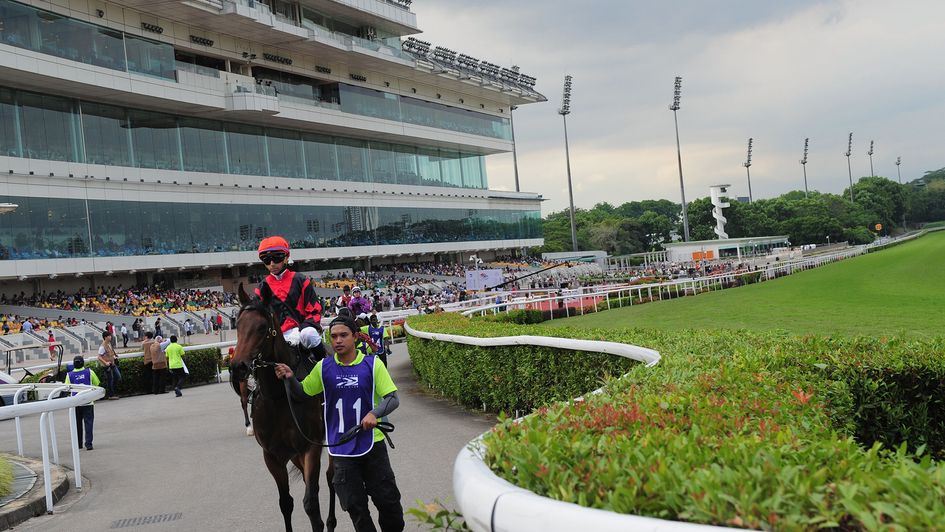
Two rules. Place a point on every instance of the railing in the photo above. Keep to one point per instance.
(197, 69)
(83, 395)
(682, 287)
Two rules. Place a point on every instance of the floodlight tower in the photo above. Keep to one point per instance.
(677, 90)
(747, 165)
(804, 165)
(849, 170)
(564, 112)
(899, 173)
(870, 153)
(512, 110)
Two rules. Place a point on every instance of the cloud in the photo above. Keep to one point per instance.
(774, 71)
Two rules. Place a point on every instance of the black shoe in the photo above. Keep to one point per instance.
(178, 394)
(89, 447)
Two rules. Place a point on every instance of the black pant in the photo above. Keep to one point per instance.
(124, 340)
(357, 478)
(84, 415)
(147, 379)
(157, 380)
(179, 379)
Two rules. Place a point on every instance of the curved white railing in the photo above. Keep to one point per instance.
(491, 504)
(84, 395)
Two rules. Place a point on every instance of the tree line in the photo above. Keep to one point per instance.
(820, 217)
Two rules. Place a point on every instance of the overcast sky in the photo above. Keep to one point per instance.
(777, 71)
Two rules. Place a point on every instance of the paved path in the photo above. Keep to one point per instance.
(159, 455)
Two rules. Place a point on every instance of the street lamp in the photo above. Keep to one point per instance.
(677, 89)
(514, 152)
(870, 153)
(899, 173)
(747, 165)
(804, 165)
(564, 112)
(849, 170)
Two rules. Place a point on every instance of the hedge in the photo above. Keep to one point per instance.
(733, 428)
(203, 365)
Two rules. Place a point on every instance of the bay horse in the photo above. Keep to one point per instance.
(259, 346)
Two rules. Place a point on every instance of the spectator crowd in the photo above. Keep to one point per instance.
(125, 301)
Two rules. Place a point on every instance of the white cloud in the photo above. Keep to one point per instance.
(777, 72)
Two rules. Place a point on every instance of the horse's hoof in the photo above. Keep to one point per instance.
(249, 431)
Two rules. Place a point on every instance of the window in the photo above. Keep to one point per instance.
(155, 140)
(246, 149)
(9, 134)
(202, 142)
(106, 134)
(321, 159)
(285, 153)
(47, 127)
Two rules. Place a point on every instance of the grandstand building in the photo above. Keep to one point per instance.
(159, 141)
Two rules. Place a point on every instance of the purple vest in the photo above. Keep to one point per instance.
(378, 336)
(349, 396)
(82, 376)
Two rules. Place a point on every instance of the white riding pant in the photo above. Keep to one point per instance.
(308, 337)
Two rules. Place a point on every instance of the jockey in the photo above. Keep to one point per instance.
(293, 299)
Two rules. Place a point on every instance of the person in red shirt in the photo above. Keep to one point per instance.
(52, 348)
(293, 299)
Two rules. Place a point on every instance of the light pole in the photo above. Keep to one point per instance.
(747, 165)
(870, 153)
(849, 170)
(677, 89)
(804, 165)
(899, 173)
(514, 152)
(564, 112)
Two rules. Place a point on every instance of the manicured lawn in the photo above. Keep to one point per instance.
(6, 476)
(899, 291)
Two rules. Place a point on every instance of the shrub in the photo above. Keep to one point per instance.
(759, 430)
(203, 365)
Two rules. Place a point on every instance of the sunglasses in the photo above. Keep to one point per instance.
(269, 258)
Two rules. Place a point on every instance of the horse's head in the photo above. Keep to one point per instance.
(259, 338)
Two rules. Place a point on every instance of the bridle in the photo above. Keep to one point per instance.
(258, 362)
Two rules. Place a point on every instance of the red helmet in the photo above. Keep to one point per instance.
(273, 243)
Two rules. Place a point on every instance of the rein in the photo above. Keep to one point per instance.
(352, 433)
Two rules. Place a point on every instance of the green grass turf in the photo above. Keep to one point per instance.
(6, 476)
(898, 291)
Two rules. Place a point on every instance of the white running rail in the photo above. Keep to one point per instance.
(491, 504)
(46, 409)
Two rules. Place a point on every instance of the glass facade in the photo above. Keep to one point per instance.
(50, 33)
(380, 104)
(36, 126)
(42, 228)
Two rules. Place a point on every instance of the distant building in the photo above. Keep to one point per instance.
(730, 248)
(161, 140)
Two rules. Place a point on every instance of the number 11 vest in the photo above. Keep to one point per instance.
(349, 396)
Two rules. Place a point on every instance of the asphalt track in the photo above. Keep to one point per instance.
(190, 456)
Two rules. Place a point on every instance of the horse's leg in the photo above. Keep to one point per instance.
(330, 477)
(279, 473)
(312, 461)
(244, 402)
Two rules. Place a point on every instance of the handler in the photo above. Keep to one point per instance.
(349, 380)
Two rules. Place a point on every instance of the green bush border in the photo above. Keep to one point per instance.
(203, 364)
(734, 428)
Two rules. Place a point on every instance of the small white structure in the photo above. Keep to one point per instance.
(719, 195)
(729, 248)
